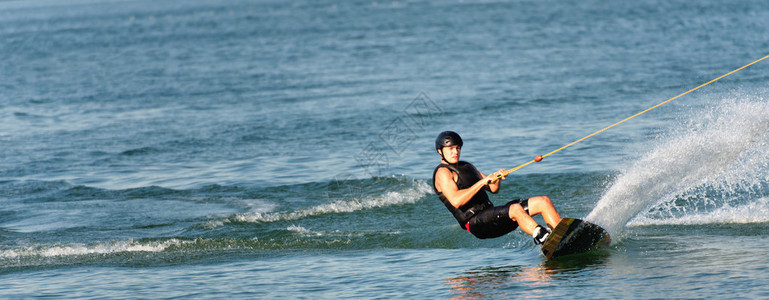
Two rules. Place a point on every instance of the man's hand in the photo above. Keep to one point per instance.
(498, 175)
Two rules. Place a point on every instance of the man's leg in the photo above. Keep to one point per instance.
(524, 220)
(543, 205)
(537, 205)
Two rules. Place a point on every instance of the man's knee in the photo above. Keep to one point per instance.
(540, 204)
(516, 211)
(541, 200)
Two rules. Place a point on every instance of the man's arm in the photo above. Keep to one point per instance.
(444, 183)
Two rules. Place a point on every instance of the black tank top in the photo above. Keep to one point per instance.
(467, 175)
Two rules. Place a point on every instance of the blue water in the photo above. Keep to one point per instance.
(282, 149)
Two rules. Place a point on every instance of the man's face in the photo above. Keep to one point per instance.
(451, 154)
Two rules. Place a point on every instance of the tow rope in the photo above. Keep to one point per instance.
(540, 157)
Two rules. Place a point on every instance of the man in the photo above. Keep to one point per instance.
(462, 188)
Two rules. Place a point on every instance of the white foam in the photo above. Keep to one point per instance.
(753, 212)
(303, 231)
(76, 249)
(724, 149)
(409, 195)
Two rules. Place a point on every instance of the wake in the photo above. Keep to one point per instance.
(711, 170)
(411, 193)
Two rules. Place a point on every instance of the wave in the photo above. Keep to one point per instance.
(178, 226)
(710, 170)
(414, 190)
(179, 250)
(77, 249)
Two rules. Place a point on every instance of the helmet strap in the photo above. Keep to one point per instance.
(443, 158)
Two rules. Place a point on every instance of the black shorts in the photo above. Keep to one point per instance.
(495, 221)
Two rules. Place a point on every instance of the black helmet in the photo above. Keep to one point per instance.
(447, 138)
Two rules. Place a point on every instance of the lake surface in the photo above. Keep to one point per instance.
(283, 149)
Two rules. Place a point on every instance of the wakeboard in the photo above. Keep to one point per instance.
(572, 236)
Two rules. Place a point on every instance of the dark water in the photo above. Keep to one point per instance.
(272, 149)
